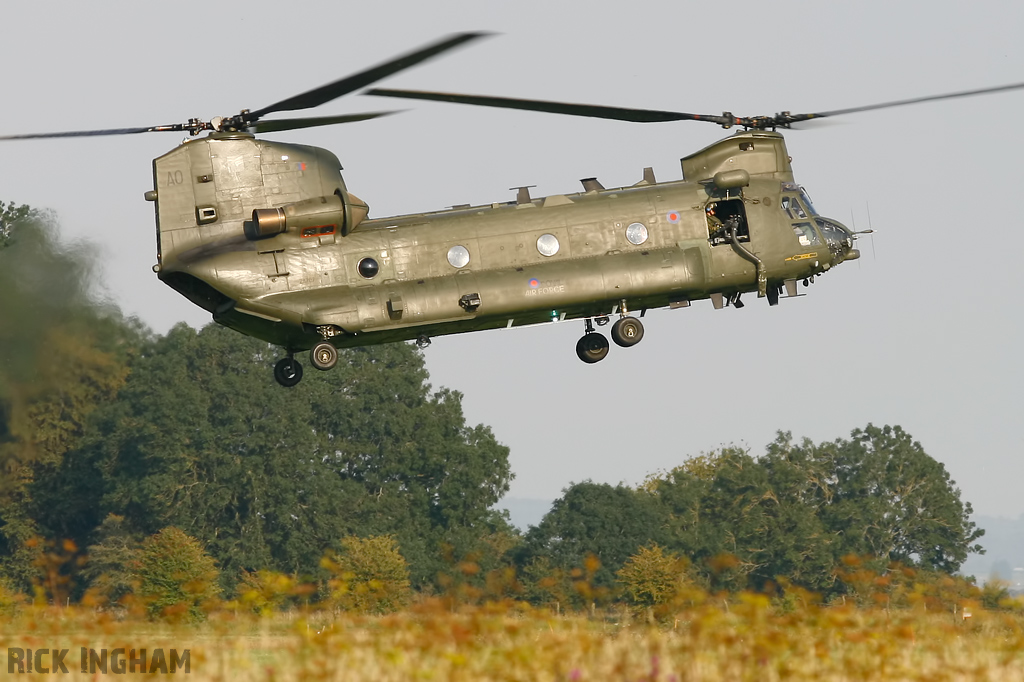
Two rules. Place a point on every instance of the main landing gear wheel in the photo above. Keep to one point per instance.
(288, 372)
(324, 356)
(592, 347)
(627, 331)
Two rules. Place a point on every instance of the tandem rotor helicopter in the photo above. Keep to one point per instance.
(266, 236)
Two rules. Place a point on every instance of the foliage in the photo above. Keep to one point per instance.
(607, 522)
(201, 438)
(111, 562)
(176, 576)
(653, 578)
(370, 575)
(743, 637)
(743, 522)
(11, 214)
(62, 353)
(266, 591)
(10, 598)
(889, 499)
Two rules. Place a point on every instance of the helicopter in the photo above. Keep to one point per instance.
(266, 236)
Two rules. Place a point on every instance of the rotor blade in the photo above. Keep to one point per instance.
(296, 123)
(326, 93)
(904, 102)
(591, 110)
(94, 133)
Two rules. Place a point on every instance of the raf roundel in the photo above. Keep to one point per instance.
(673, 216)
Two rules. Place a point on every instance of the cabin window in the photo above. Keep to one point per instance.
(722, 217)
(636, 234)
(547, 244)
(458, 256)
(368, 268)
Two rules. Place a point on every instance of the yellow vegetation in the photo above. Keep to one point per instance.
(747, 636)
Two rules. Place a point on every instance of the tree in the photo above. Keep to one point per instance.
(742, 522)
(111, 563)
(62, 353)
(610, 523)
(202, 439)
(653, 578)
(370, 575)
(10, 214)
(889, 499)
(176, 575)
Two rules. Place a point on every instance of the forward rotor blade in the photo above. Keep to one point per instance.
(326, 93)
(590, 110)
(95, 133)
(904, 102)
(296, 123)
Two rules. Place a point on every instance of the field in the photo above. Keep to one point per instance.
(747, 638)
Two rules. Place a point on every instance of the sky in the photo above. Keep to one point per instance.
(923, 331)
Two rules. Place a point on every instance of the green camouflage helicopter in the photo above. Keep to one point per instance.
(266, 236)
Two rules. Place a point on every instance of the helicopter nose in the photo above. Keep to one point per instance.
(839, 239)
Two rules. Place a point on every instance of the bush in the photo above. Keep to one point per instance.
(370, 575)
(652, 578)
(176, 575)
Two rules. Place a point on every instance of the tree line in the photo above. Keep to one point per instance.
(111, 435)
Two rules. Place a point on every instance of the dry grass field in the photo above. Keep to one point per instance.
(747, 638)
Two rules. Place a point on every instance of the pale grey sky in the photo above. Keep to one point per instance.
(925, 334)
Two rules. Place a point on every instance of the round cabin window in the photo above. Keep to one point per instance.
(547, 244)
(368, 268)
(458, 256)
(636, 234)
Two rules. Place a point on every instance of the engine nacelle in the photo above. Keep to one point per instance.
(340, 212)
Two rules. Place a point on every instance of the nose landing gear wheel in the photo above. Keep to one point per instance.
(288, 372)
(324, 356)
(627, 331)
(592, 347)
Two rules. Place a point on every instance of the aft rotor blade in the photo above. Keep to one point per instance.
(296, 123)
(95, 133)
(590, 110)
(326, 93)
(904, 102)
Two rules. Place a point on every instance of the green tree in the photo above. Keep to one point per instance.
(62, 353)
(10, 214)
(176, 575)
(201, 438)
(886, 497)
(609, 522)
(744, 522)
(110, 567)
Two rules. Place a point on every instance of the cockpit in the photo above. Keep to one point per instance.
(810, 227)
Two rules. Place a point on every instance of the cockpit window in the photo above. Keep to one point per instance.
(793, 208)
(806, 234)
(807, 201)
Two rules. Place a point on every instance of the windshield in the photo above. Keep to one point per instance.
(807, 201)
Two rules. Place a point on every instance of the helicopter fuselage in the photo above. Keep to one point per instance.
(266, 237)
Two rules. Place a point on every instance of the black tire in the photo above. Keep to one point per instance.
(324, 356)
(627, 331)
(288, 372)
(593, 347)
